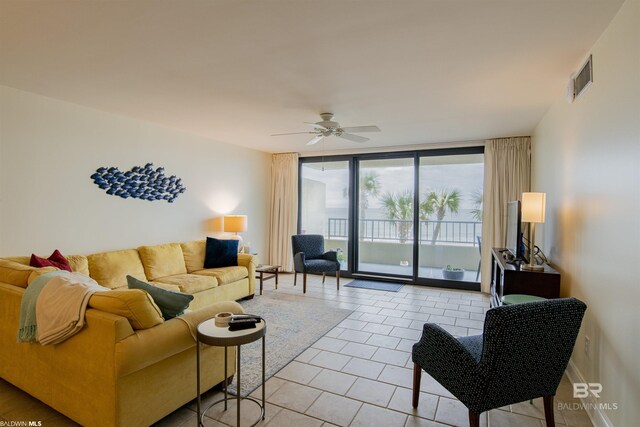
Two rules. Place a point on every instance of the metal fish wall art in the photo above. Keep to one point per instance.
(141, 182)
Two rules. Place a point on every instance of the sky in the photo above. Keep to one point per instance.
(464, 177)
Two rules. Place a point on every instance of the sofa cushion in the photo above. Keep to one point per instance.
(225, 274)
(134, 304)
(162, 260)
(24, 260)
(110, 269)
(189, 283)
(56, 259)
(194, 255)
(15, 273)
(78, 263)
(220, 253)
(171, 303)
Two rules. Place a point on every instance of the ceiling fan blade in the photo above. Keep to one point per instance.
(352, 137)
(315, 140)
(290, 133)
(358, 129)
(315, 125)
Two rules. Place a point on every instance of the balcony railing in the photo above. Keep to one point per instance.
(459, 232)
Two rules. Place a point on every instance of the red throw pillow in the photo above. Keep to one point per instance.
(55, 260)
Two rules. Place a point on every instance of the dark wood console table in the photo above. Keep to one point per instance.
(507, 278)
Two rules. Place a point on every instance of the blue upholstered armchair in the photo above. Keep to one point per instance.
(309, 257)
(521, 355)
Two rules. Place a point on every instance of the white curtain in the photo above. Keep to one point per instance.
(284, 209)
(507, 173)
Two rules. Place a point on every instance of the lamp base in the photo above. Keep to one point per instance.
(532, 267)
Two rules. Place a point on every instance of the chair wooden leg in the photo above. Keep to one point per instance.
(323, 277)
(304, 283)
(548, 411)
(338, 279)
(295, 277)
(474, 419)
(417, 375)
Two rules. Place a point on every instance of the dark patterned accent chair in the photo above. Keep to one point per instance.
(521, 355)
(309, 257)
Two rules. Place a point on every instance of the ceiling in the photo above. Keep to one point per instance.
(238, 71)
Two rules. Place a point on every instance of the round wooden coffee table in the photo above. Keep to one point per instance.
(210, 334)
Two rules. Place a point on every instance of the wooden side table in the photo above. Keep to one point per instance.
(210, 334)
(267, 269)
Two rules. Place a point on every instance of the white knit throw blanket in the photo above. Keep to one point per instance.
(61, 306)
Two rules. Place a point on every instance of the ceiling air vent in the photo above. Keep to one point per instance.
(584, 78)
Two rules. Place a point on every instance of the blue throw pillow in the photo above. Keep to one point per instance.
(170, 303)
(220, 253)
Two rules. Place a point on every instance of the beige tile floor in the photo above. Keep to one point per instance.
(358, 374)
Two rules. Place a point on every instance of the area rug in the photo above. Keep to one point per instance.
(293, 324)
(377, 286)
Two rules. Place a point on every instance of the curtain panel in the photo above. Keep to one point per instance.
(283, 209)
(507, 174)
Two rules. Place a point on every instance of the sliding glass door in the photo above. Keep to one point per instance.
(450, 217)
(385, 216)
(324, 204)
(412, 215)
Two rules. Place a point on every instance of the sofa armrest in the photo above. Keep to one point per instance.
(249, 261)
(148, 346)
(298, 262)
(25, 364)
(331, 256)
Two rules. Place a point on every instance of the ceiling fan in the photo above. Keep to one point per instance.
(327, 127)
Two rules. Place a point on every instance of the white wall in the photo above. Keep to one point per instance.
(586, 156)
(49, 149)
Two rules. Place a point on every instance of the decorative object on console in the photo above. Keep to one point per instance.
(55, 260)
(141, 182)
(533, 209)
(220, 253)
(235, 224)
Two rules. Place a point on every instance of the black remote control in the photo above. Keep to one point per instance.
(239, 324)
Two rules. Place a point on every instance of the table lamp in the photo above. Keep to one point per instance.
(235, 224)
(533, 207)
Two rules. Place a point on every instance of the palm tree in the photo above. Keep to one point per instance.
(478, 200)
(400, 207)
(369, 187)
(439, 202)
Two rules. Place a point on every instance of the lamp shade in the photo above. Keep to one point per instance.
(235, 223)
(533, 207)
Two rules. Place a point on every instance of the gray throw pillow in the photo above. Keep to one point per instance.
(170, 303)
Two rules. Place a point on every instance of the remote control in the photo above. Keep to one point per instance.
(236, 325)
(246, 316)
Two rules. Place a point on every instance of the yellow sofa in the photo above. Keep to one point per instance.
(110, 373)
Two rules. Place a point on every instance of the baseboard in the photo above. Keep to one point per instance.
(597, 416)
